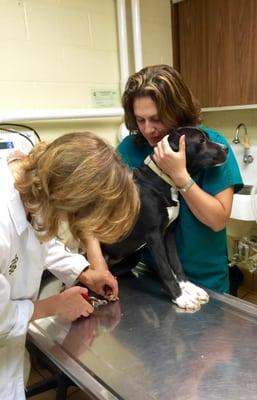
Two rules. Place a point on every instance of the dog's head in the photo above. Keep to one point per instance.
(201, 152)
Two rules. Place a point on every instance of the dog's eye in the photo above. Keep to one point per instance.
(202, 140)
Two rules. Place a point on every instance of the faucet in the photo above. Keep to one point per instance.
(247, 158)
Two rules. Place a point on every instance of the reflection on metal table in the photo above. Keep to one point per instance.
(143, 348)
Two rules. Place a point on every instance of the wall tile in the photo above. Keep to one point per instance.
(106, 7)
(95, 66)
(43, 21)
(25, 61)
(162, 51)
(75, 27)
(104, 32)
(156, 57)
(12, 20)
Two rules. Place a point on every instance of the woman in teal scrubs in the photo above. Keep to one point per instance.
(155, 100)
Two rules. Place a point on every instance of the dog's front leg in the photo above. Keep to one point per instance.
(198, 294)
(157, 248)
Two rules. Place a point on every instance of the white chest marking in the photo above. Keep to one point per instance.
(173, 211)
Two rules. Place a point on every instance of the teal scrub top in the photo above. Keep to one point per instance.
(203, 252)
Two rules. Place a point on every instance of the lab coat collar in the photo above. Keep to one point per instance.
(14, 202)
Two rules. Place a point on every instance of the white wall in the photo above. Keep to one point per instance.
(56, 53)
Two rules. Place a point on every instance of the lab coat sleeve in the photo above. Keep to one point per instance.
(64, 264)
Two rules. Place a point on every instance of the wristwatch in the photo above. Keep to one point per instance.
(187, 186)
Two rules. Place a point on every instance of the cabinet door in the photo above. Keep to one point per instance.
(216, 50)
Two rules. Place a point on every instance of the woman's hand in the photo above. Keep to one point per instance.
(101, 282)
(69, 305)
(212, 211)
(72, 304)
(171, 162)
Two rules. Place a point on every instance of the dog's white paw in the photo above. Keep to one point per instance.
(187, 302)
(200, 294)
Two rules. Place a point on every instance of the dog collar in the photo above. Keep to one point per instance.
(151, 164)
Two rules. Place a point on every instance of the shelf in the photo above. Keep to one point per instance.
(230, 108)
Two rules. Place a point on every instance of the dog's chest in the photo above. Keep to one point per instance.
(159, 200)
(173, 210)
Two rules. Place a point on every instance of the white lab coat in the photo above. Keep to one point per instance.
(22, 261)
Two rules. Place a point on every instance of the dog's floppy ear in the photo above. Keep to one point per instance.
(174, 136)
(188, 131)
(191, 130)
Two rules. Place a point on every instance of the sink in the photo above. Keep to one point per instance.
(242, 208)
(248, 171)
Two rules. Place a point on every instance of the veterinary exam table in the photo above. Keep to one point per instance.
(143, 348)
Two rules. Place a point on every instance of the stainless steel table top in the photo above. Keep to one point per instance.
(143, 348)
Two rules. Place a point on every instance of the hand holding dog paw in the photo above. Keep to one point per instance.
(101, 282)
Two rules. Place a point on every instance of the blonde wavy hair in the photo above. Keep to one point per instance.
(80, 179)
(174, 101)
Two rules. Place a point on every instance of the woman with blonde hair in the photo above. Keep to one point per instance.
(78, 179)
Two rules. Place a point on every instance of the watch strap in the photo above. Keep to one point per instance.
(185, 188)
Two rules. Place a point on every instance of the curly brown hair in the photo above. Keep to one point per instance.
(175, 103)
(80, 179)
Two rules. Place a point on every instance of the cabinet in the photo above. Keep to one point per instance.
(215, 50)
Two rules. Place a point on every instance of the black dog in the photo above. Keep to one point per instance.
(153, 227)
